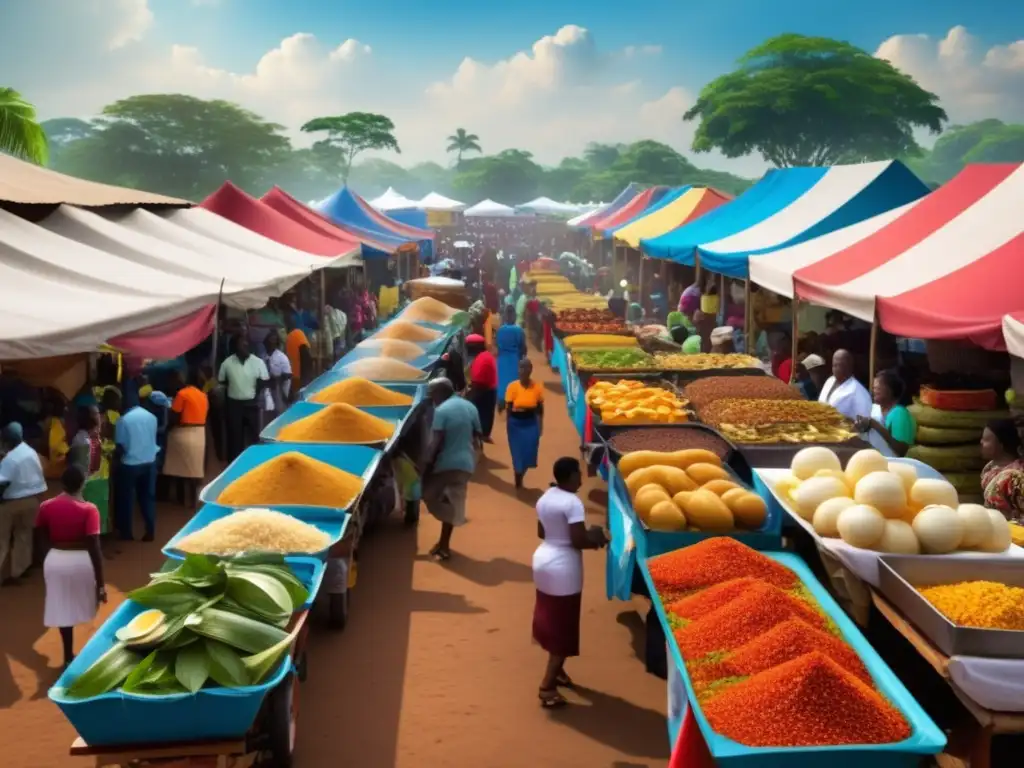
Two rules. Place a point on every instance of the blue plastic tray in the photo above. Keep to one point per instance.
(396, 414)
(327, 520)
(326, 379)
(925, 737)
(358, 460)
(128, 718)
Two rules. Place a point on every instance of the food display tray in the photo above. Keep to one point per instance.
(395, 414)
(423, 362)
(780, 455)
(325, 520)
(416, 391)
(925, 739)
(900, 575)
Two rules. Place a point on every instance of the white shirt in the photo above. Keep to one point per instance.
(849, 398)
(557, 565)
(876, 440)
(23, 470)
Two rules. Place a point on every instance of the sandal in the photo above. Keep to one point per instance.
(564, 681)
(441, 555)
(551, 699)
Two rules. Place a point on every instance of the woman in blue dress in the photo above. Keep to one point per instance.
(511, 343)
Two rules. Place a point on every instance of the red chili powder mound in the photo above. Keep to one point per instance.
(713, 561)
(790, 640)
(707, 600)
(809, 701)
(739, 621)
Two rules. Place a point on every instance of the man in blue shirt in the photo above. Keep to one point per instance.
(136, 437)
(457, 437)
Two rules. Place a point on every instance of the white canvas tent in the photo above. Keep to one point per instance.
(392, 201)
(545, 206)
(438, 202)
(490, 209)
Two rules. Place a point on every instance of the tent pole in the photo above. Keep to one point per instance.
(216, 327)
(722, 299)
(747, 314)
(795, 340)
(873, 348)
(640, 280)
(321, 347)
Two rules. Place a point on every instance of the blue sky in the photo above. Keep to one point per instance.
(544, 75)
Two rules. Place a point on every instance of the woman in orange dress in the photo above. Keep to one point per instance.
(524, 403)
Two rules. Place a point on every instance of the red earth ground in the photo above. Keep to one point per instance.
(436, 667)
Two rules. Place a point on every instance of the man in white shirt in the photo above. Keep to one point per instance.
(245, 377)
(842, 391)
(22, 483)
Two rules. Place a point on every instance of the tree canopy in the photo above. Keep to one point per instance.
(461, 142)
(986, 141)
(350, 135)
(800, 100)
(21, 134)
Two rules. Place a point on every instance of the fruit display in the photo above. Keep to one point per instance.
(768, 665)
(884, 506)
(689, 490)
(669, 440)
(626, 359)
(598, 340)
(208, 622)
(777, 421)
(669, 361)
(632, 402)
(705, 391)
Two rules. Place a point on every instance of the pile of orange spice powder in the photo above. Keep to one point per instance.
(809, 701)
(711, 562)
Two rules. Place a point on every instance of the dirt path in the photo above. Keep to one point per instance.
(436, 667)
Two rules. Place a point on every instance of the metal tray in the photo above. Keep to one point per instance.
(900, 574)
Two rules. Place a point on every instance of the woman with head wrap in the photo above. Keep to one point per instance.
(722, 342)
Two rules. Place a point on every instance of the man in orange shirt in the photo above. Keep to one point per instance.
(296, 347)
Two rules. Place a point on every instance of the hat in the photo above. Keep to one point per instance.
(475, 338)
(812, 361)
(722, 334)
(159, 399)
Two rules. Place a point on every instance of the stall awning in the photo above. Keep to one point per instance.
(1013, 333)
(587, 220)
(438, 202)
(392, 200)
(786, 207)
(490, 209)
(691, 204)
(348, 209)
(604, 225)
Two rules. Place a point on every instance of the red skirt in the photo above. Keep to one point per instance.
(556, 623)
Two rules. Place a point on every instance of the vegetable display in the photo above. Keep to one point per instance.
(612, 359)
(777, 421)
(208, 622)
(882, 505)
(672, 361)
(631, 402)
(980, 604)
(768, 666)
(668, 440)
(688, 490)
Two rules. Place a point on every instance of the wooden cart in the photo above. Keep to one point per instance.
(270, 743)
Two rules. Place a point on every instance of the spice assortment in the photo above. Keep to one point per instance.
(383, 369)
(208, 622)
(338, 423)
(405, 330)
(632, 402)
(979, 604)
(676, 361)
(626, 359)
(255, 530)
(589, 321)
(668, 440)
(703, 392)
(361, 393)
(767, 664)
(293, 478)
(753, 421)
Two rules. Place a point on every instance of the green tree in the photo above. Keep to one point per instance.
(601, 157)
(351, 134)
(986, 141)
(63, 132)
(179, 145)
(462, 142)
(813, 101)
(559, 182)
(511, 177)
(21, 134)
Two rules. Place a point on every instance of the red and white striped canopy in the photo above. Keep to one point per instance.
(947, 266)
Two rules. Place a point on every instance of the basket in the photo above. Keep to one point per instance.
(960, 400)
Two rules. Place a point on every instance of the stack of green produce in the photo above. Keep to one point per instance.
(208, 622)
(613, 359)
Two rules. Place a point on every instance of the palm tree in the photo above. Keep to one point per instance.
(21, 134)
(461, 142)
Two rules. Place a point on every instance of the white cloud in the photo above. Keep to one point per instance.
(133, 19)
(972, 83)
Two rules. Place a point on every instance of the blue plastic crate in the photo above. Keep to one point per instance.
(129, 718)
(358, 460)
(396, 414)
(327, 520)
(324, 380)
(925, 739)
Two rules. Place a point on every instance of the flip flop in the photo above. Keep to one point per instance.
(564, 681)
(441, 555)
(551, 699)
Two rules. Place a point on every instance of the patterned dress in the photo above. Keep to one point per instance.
(1003, 488)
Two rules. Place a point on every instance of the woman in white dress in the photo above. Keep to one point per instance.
(558, 575)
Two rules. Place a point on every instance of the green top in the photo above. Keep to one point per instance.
(901, 425)
(243, 379)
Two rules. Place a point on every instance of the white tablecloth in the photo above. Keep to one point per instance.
(996, 684)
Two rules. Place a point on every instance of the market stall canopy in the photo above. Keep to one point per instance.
(144, 242)
(786, 207)
(947, 267)
(593, 213)
(438, 202)
(604, 225)
(1013, 333)
(545, 206)
(490, 209)
(628, 193)
(392, 200)
(350, 210)
(232, 203)
(688, 206)
(287, 205)
(30, 184)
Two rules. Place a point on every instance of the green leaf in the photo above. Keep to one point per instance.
(106, 673)
(192, 666)
(144, 673)
(296, 589)
(226, 665)
(168, 595)
(260, 665)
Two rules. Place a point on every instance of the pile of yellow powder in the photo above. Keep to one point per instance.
(338, 423)
(981, 604)
(296, 479)
(384, 369)
(407, 331)
(429, 310)
(359, 392)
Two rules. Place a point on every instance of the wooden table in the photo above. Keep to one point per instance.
(971, 743)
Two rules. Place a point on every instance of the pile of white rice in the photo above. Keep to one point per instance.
(255, 530)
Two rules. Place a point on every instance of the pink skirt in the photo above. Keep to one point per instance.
(556, 623)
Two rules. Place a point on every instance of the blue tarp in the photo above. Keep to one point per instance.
(356, 216)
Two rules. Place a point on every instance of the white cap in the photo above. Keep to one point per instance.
(724, 333)
(813, 361)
